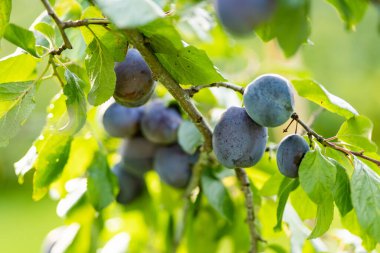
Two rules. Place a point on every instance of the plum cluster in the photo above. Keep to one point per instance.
(149, 142)
(149, 132)
(241, 134)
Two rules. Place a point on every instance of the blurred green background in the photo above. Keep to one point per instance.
(347, 63)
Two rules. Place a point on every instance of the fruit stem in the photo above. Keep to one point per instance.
(328, 143)
(248, 195)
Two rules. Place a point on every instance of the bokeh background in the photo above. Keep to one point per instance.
(347, 63)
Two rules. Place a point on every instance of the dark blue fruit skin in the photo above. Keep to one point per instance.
(134, 80)
(238, 141)
(160, 124)
(290, 153)
(138, 154)
(174, 166)
(240, 17)
(269, 100)
(130, 185)
(120, 121)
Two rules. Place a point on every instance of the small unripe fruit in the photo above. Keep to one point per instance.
(269, 100)
(134, 80)
(160, 124)
(174, 166)
(138, 154)
(120, 121)
(238, 141)
(290, 153)
(130, 185)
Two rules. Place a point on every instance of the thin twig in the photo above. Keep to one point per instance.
(248, 195)
(60, 25)
(162, 75)
(195, 89)
(330, 144)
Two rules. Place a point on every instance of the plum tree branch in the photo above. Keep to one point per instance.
(328, 143)
(195, 89)
(248, 195)
(162, 75)
(60, 25)
(85, 22)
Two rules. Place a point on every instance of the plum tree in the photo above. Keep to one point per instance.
(68, 55)
(290, 153)
(121, 121)
(240, 17)
(160, 124)
(269, 100)
(134, 81)
(138, 154)
(173, 165)
(130, 185)
(238, 141)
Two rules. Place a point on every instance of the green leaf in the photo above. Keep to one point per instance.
(317, 176)
(189, 137)
(351, 223)
(357, 131)
(53, 153)
(290, 25)
(53, 148)
(25, 70)
(287, 186)
(318, 94)
(305, 207)
(100, 70)
(101, 182)
(163, 37)
(190, 66)
(351, 11)
(365, 186)
(115, 41)
(217, 195)
(272, 185)
(16, 104)
(47, 30)
(5, 13)
(130, 13)
(22, 38)
(325, 215)
(75, 102)
(342, 190)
